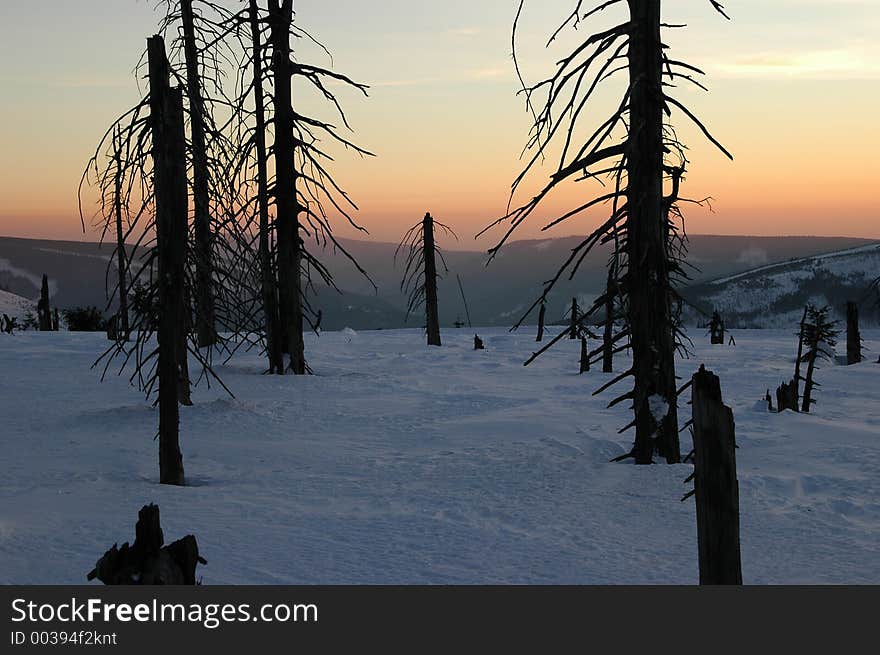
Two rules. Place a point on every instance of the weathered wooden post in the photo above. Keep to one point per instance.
(169, 163)
(715, 484)
(572, 330)
(542, 314)
(432, 315)
(853, 337)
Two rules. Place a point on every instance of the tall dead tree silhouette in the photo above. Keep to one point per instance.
(166, 120)
(420, 272)
(636, 152)
(271, 132)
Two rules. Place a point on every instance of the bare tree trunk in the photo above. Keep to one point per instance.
(715, 484)
(853, 337)
(205, 315)
(649, 303)
(585, 355)
(122, 327)
(800, 354)
(432, 315)
(572, 330)
(274, 348)
(287, 206)
(808, 381)
(608, 335)
(169, 162)
(542, 314)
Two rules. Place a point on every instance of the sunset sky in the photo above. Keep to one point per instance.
(794, 94)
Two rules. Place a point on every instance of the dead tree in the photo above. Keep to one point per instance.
(420, 273)
(542, 315)
(204, 295)
(148, 561)
(585, 355)
(44, 311)
(800, 355)
(121, 328)
(716, 329)
(478, 343)
(715, 484)
(573, 320)
(636, 152)
(853, 336)
(169, 157)
(608, 331)
(820, 338)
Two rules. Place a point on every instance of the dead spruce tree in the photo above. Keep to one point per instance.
(636, 152)
(273, 133)
(44, 311)
(820, 338)
(420, 272)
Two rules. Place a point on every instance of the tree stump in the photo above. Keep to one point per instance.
(585, 356)
(715, 485)
(147, 562)
(787, 396)
(478, 343)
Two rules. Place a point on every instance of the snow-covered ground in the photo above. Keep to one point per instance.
(396, 463)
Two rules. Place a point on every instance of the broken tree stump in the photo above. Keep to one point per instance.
(787, 396)
(715, 485)
(585, 356)
(853, 337)
(147, 561)
(478, 343)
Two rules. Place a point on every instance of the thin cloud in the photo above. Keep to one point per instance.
(811, 65)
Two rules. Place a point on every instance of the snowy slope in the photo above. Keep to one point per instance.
(769, 295)
(401, 464)
(15, 306)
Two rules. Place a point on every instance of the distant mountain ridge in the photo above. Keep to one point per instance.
(775, 294)
(496, 295)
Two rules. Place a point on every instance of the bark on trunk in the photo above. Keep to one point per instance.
(432, 316)
(853, 336)
(169, 163)
(715, 484)
(287, 207)
(608, 335)
(122, 329)
(800, 355)
(205, 314)
(542, 314)
(649, 306)
(808, 381)
(274, 347)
